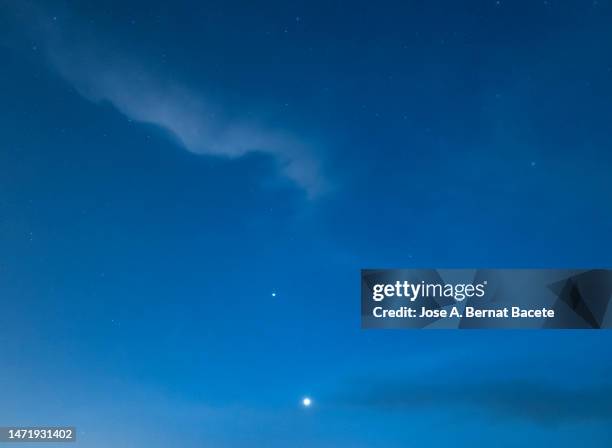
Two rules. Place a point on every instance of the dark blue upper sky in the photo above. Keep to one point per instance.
(165, 167)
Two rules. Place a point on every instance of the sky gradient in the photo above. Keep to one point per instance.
(188, 191)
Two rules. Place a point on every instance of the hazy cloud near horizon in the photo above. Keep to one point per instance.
(538, 402)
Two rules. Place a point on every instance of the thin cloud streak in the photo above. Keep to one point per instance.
(100, 74)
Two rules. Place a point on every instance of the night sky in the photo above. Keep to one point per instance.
(188, 191)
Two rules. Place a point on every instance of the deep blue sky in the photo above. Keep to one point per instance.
(166, 166)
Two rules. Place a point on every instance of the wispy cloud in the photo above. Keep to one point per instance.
(537, 402)
(103, 74)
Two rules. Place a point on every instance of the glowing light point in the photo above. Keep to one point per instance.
(273, 294)
(306, 402)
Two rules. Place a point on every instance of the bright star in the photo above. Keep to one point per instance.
(306, 402)
(273, 294)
